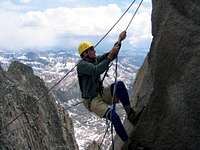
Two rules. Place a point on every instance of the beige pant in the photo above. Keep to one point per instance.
(99, 105)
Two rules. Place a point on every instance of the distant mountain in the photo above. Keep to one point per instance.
(32, 56)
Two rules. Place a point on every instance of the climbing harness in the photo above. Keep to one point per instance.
(113, 104)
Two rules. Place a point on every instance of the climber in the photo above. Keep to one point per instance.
(97, 98)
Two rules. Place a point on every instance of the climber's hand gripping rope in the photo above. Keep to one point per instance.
(115, 50)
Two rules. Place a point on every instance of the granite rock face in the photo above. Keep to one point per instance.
(168, 83)
(43, 125)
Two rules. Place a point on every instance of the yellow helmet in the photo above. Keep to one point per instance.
(83, 46)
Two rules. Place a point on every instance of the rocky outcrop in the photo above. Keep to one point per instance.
(42, 124)
(168, 82)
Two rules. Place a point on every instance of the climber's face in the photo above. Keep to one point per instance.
(92, 53)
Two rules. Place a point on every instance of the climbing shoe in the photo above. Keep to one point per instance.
(126, 146)
(133, 117)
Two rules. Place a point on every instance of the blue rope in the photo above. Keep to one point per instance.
(113, 101)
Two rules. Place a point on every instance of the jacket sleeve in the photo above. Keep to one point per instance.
(90, 69)
(102, 57)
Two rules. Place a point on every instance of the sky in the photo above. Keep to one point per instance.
(63, 24)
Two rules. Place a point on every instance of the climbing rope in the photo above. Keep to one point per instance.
(50, 89)
(134, 15)
(120, 19)
(115, 23)
(116, 74)
(105, 74)
(113, 101)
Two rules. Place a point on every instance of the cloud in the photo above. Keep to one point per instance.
(140, 32)
(65, 27)
(25, 1)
